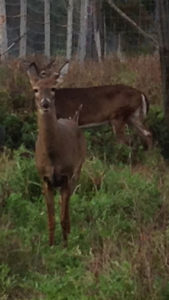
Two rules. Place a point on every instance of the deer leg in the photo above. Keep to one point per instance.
(118, 127)
(49, 197)
(145, 134)
(65, 219)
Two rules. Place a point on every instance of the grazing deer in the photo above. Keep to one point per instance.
(116, 105)
(59, 152)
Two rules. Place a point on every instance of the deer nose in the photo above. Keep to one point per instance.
(45, 102)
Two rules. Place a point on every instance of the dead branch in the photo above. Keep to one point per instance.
(13, 44)
(133, 23)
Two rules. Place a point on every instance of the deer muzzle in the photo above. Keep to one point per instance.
(45, 103)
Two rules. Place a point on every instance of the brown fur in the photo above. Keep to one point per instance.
(60, 152)
(116, 105)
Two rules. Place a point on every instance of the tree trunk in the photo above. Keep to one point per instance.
(83, 30)
(69, 29)
(96, 23)
(3, 30)
(23, 21)
(104, 37)
(162, 7)
(120, 53)
(99, 23)
(47, 27)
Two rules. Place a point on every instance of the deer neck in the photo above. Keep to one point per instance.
(48, 129)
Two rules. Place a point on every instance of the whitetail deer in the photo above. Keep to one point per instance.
(59, 152)
(116, 105)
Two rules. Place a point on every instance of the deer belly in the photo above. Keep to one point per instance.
(56, 180)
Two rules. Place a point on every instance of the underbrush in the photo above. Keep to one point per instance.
(118, 246)
(102, 143)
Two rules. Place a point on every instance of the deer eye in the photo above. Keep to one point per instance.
(35, 90)
(43, 73)
(53, 89)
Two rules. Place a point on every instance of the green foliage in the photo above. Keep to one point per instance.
(165, 292)
(7, 281)
(29, 132)
(159, 129)
(13, 127)
(132, 196)
(109, 209)
(120, 282)
(5, 104)
(24, 179)
(120, 202)
(20, 130)
(103, 144)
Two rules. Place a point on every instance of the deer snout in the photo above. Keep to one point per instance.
(45, 103)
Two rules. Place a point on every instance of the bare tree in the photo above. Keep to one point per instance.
(133, 23)
(162, 7)
(83, 30)
(99, 29)
(120, 53)
(47, 27)
(69, 29)
(3, 30)
(96, 20)
(23, 23)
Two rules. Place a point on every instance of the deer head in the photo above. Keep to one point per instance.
(44, 87)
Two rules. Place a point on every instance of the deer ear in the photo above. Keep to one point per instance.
(62, 72)
(33, 73)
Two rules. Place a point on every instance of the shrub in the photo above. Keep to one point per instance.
(5, 104)
(13, 131)
(24, 179)
(7, 281)
(159, 129)
(29, 132)
(19, 130)
(102, 143)
(118, 283)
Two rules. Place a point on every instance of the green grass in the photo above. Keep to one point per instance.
(119, 242)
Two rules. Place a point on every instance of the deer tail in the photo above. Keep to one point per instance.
(77, 113)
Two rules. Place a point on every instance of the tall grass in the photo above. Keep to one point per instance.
(118, 246)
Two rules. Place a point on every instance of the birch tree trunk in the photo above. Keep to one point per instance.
(97, 30)
(3, 30)
(105, 37)
(83, 30)
(120, 53)
(69, 29)
(23, 23)
(162, 7)
(47, 27)
(99, 27)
